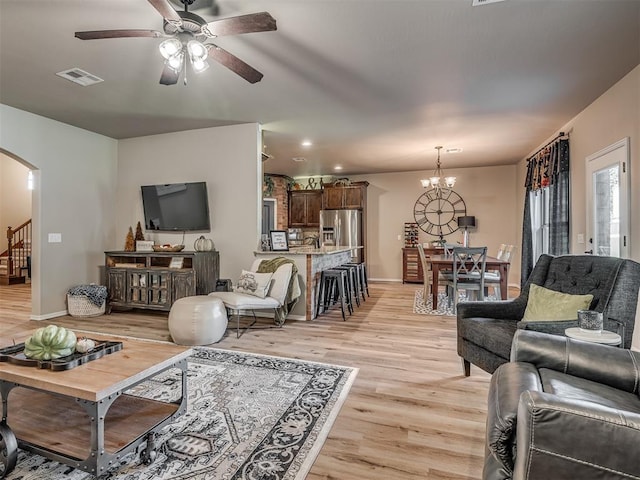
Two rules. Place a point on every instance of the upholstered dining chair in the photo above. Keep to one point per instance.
(492, 279)
(427, 278)
(246, 297)
(468, 272)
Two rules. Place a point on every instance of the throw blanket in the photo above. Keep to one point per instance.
(293, 290)
(97, 294)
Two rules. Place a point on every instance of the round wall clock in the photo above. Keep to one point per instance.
(437, 210)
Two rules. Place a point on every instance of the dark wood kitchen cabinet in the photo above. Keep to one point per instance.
(337, 197)
(304, 208)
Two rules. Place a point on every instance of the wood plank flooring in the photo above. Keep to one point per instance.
(411, 414)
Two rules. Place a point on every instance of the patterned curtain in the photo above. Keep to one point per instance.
(548, 168)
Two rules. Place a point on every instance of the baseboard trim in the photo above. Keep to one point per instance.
(388, 280)
(48, 315)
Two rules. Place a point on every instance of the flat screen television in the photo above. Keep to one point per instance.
(176, 207)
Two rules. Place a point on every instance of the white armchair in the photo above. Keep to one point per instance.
(237, 302)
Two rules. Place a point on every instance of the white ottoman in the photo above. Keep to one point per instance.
(198, 320)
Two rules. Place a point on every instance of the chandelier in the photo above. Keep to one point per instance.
(175, 51)
(438, 179)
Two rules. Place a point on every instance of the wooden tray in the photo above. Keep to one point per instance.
(15, 355)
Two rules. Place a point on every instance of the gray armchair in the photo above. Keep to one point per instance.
(486, 329)
(563, 409)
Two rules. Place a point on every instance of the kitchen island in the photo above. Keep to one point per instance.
(310, 262)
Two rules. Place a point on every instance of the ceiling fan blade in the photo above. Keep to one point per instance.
(99, 34)
(234, 64)
(253, 22)
(167, 11)
(169, 76)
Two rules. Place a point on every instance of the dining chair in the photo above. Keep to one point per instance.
(448, 249)
(492, 279)
(427, 278)
(468, 273)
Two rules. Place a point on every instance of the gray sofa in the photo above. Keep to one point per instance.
(563, 409)
(486, 329)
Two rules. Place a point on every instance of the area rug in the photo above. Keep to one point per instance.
(419, 305)
(426, 308)
(249, 417)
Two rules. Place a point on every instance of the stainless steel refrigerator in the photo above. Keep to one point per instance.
(342, 228)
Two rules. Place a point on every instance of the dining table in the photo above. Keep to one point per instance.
(441, 263)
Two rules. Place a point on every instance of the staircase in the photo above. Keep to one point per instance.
(15, 262)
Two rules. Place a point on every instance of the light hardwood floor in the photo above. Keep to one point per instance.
(411, 414)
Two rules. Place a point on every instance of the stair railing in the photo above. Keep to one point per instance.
(18, 247)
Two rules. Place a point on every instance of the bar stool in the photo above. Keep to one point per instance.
(354, 284)
(362, 277)
(333, 287)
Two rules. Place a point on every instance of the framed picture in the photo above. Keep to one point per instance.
(279, 240)
(176, 262)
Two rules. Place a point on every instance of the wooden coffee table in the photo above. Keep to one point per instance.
(84, 417)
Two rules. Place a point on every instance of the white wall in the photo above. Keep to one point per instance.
(490, 195)
(613, 116)
(74, 185)
(227, 158)
(15, 197)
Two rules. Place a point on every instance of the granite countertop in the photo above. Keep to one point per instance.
(307, 250)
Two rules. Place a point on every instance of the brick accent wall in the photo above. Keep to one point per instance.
(279, 193)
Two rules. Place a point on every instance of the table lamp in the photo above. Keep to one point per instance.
(466, 222)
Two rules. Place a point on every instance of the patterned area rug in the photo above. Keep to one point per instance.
(419, 306)
(249, 417)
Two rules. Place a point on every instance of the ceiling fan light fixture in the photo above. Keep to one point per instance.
(176, 61)
(199, 65)
(170, 47)
(197, 51)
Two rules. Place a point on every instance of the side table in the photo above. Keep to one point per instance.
(606, 337)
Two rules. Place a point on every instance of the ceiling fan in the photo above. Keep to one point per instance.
(185, 34)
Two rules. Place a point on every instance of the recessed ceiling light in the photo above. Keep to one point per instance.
(453, 150)
(299, 159)
(306, 143)
(338, 167)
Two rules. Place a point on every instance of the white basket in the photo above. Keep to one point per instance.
(81, 306)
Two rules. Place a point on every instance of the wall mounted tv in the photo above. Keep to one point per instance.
(176, 207)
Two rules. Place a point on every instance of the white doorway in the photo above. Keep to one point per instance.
(269, 215)
(608, 200)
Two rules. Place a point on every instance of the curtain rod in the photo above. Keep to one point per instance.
(557, 137)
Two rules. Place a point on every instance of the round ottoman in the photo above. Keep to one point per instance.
(198, 320)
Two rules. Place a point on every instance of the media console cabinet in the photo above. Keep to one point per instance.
(154, 280)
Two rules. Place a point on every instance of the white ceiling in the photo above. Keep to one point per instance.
(374, 84)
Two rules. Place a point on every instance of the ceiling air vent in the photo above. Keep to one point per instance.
(478, 3)
(80, 77)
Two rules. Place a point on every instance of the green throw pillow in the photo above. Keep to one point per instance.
(545, 304)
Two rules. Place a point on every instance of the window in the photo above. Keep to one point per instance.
(540, 219)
